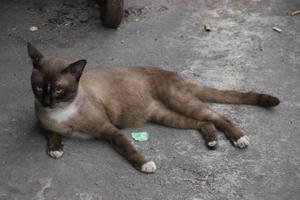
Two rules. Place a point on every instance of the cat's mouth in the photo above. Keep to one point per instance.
(46, 105)
(56, 105)
(52, 105)
(49, 106)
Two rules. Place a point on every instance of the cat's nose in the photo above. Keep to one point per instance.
(46, 102)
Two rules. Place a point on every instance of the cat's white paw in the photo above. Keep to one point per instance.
(242, 142)
(212, 143)
(149, 167)
(56, 154)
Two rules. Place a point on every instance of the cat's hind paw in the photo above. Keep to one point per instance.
(56, 154)
(148, 167)
(212, 144)
(242, 142)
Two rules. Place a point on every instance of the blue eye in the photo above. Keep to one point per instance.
(38, 89)
(58, 91)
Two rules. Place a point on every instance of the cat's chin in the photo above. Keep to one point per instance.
(54, 106)
(60, 105)
(50, 107)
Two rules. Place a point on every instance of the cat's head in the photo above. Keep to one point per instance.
(54, 81)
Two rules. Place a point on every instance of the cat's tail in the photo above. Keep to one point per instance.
(208, 94)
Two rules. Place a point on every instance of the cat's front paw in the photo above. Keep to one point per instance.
(242, 142)
(148, 167)
(56, 153)
(212, 145)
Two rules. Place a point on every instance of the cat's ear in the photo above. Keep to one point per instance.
(75, 69)
(34, 54)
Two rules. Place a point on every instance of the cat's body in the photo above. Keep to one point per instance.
(101, 101)
(124, 96)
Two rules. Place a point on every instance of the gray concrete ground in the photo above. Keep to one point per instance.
(241, 52)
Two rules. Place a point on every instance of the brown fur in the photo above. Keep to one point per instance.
(109, 99)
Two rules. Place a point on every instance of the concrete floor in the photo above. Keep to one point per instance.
(241, 52)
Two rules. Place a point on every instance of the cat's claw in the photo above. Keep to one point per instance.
(242, 142)
(56, 154)
(149, 167)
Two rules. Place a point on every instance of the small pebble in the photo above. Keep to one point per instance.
(84, 17)
(33, 28)
(277, 29)
(207, 28)
(162, 8)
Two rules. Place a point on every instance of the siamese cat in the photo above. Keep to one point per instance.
(100, 102)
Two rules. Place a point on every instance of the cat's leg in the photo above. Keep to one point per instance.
(122, 145)
(169, 118)
(209, 133)
(55, 146)
(186, 104)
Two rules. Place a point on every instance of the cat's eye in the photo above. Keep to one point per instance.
(38, 89)
(58, 91)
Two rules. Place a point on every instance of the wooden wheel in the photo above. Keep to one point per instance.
(111, 13)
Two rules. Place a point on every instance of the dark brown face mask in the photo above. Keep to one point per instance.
(53, 80)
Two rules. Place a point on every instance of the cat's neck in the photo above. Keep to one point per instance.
(63, 111)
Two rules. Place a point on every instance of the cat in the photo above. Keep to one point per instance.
(101, 101)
